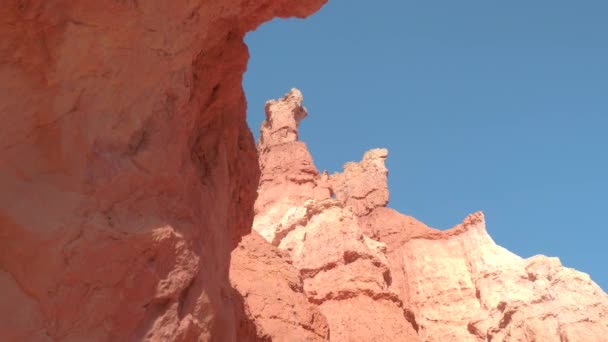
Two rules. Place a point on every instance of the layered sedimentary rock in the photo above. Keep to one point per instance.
(464, 287)
(127, 171)
(363, 263)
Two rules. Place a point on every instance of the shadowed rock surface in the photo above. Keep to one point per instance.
(127, 170)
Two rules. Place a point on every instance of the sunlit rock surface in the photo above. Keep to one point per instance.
(378, 275)
(344, 272)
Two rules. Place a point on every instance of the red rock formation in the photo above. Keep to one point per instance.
(128, 177)
(363, 263)
(127, 171)
(362, 185)
(273, 294)
(345, 273)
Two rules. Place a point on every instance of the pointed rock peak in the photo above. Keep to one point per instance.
(376, 157)
(294, 95)
(288, 173)
(474, 219)
(375, 154)
(373, 161)
(474, 222)
(283, 117)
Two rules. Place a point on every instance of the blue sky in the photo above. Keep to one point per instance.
(500, 106)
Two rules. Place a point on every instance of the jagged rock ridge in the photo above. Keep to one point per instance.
(362, 263)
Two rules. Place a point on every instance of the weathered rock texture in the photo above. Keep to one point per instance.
(378, 275)
(128, 176)
(127, 171)
(463, 287)
(344, 273)
(273, 294)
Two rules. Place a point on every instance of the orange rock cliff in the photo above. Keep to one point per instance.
(129, 209)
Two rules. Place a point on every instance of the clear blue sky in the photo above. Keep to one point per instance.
(500, 106)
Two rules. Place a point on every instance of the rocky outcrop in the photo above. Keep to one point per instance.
(344, 272)
(273, 295)
(363, 263)
(463, 287)
(127, 171)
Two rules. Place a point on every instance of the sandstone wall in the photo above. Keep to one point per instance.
(127, 171)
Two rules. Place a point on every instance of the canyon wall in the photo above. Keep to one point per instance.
(378, 275)
(127, 171)
(129, 178)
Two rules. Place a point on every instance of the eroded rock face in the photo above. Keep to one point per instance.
(363, 186)
(363, 263)
(273, 294)
(344, 272)
(464, 287)
(127, 171)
